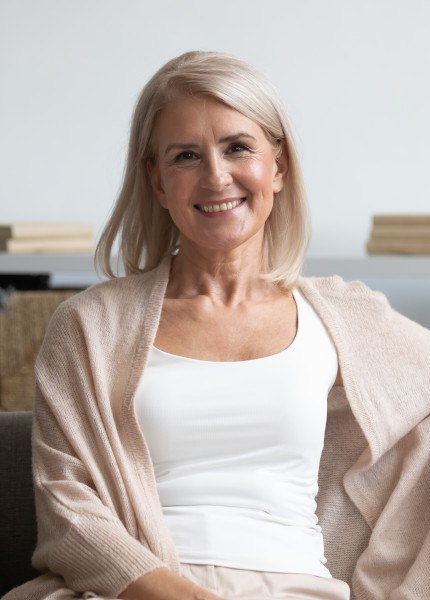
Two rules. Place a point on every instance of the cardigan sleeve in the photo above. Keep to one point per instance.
(385, 363)
(386, 360)
(86, 530)
(395, 565)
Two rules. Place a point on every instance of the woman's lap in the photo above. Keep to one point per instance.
(238, 584)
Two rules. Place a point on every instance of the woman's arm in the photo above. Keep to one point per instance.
(162, 584)
(86, 528)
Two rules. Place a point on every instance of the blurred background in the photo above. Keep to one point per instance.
(354, 77)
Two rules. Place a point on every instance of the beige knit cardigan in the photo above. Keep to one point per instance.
(100, 523)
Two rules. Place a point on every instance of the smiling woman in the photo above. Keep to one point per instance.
(216, 172)
(208, 90)
(187, 415)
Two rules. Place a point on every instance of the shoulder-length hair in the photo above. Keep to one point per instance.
(145, 230)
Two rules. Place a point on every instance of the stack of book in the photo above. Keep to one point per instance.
(400, 234)
(63, 238)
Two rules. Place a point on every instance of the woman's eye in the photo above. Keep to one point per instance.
(237, 148)
(185, 156)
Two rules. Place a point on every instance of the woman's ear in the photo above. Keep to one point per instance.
(281, 167)
(155, 179)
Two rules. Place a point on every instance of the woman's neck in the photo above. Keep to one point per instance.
(228, 279)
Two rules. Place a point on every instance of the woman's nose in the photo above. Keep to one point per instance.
(215, 173)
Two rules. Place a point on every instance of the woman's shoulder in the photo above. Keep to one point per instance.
(334, 286)
(357, 308)
(335, 290)
(92, 299)
(98, 293)
(111, 304)
(117, 293)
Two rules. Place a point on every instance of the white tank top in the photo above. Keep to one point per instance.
(236, 448)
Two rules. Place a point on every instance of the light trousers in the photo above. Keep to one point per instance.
(239, 584)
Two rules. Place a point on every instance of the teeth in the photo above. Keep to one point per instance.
(221, 207)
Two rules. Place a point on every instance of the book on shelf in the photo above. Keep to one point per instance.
(400, 234)
(401, 220)
(51, 245)
(398, 247)
(46, 237)
(408, 232)
(31, 230)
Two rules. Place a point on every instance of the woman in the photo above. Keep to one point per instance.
(181, 411)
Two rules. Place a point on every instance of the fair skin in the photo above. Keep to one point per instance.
(216, 308)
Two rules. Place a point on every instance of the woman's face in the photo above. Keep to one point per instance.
(215, 172)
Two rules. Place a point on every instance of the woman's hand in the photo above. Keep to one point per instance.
(162, 584)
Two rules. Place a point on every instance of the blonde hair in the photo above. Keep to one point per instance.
(145, 230)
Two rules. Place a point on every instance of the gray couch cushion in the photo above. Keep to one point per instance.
(17, 514)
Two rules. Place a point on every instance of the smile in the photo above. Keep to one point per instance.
(220, 207)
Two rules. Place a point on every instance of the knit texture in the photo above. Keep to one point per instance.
(100, 523)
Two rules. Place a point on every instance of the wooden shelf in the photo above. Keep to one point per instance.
(46, 263)
(392, 266)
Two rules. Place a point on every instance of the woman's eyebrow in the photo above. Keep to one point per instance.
(235, 136)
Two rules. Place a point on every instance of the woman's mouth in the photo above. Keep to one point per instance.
(220, 207)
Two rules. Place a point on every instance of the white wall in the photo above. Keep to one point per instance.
(354, 76)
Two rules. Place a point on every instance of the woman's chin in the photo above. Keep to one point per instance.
(223, 245)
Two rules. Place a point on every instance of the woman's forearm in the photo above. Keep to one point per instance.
(162, 584)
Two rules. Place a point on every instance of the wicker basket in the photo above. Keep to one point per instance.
(22, 328)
